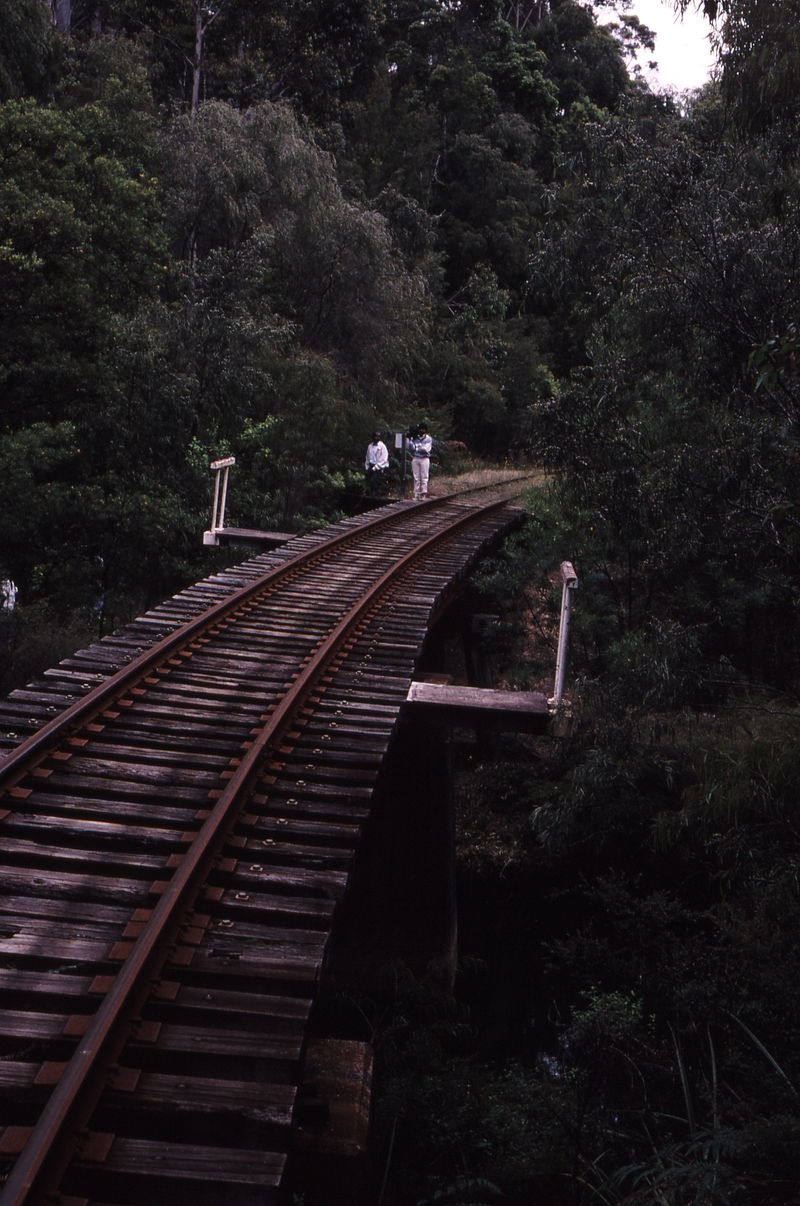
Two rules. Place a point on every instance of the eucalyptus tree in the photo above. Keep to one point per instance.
(256, 183)
(760, 58)
(676, 466)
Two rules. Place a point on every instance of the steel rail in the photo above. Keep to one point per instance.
(18, 761)
(42, 1162)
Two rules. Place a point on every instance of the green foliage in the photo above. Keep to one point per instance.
(69, 523)
(606, 1019)
(34, 637)
(38, 476)
(416, 1021)
(584, 61)
(776, 360)
(759, 57)
(501, 1126)
(255, 209)
(283, 303)
(464, 1191)
(756, 786)
(611, 792)
(494, 803)
(663, 439)
(694, 1170)
(80, 244)
(27, 58)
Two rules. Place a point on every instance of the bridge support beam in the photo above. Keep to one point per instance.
(424, 814)
(402, 903)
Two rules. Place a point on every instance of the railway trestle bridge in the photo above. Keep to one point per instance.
(181, 805)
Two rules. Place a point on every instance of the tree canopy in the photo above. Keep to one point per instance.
(238, 219)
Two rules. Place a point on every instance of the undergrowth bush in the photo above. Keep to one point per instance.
(34, 638)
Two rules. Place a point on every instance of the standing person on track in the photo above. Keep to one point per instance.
(8, 594)
(376, 464)
(420, 444)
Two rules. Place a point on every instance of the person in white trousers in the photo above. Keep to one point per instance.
(420, 445)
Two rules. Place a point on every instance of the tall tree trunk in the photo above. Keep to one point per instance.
(62, 15)
(201, 11)
(197, 63)
(97, 21)
(520, 15)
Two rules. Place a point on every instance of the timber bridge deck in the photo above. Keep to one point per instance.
(180, 806)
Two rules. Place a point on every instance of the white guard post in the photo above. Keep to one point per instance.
(570, 583)
(223, 468)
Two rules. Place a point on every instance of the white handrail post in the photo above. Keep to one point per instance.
(216, 501)
(218, 506)
(569, 581)
(225, 472)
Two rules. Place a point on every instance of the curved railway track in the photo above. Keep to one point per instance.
(180, 806)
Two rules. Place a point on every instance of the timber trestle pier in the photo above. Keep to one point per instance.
(180, 807)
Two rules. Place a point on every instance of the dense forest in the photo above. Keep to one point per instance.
(264, 229)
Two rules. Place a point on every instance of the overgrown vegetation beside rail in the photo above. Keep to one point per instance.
(628, 909)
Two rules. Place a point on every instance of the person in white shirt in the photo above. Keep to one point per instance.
(8, 594)
(377, 463)
(420, 445)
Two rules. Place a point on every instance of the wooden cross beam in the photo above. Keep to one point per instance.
(480, 708)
